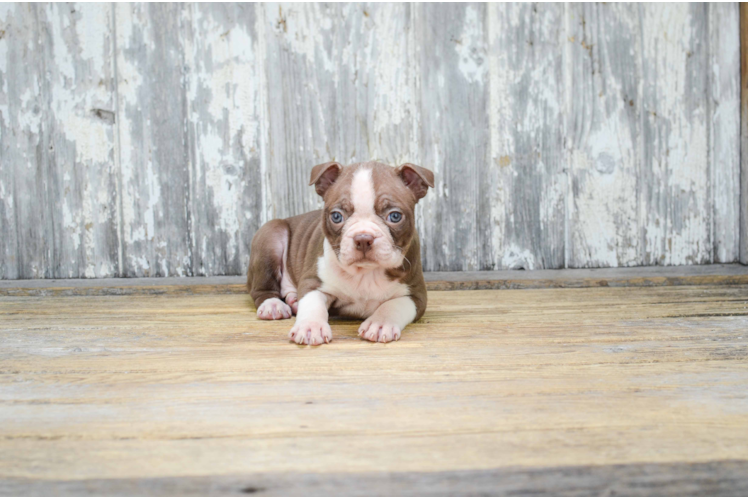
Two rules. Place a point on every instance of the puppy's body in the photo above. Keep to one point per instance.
(365, 265)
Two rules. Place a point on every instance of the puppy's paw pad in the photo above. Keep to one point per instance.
(310, 333)
(375, 331)
(274, 309)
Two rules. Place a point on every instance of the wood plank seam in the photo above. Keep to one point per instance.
(716, 275)
(744, 133)
(118, 151)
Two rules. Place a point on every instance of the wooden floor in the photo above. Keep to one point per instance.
(538, 391)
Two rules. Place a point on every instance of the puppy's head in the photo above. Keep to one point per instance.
(369, 210)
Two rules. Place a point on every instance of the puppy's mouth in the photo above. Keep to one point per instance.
(365, 262)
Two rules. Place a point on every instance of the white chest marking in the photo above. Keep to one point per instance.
(359, 292)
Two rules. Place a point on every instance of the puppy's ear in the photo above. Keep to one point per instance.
(417, 179)
(324, 176)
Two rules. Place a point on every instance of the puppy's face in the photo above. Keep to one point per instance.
(369, 210)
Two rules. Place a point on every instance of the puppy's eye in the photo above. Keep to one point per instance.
(336, 217)
(394, 217)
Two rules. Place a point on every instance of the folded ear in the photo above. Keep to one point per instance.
(324, 176)
(417, 179)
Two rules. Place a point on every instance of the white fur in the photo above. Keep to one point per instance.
(311, 325)
(388, 321)
(274, 309)
(359, 292)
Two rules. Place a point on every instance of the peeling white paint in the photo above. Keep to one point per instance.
(502, 144)
(225, 188)
(724, 98)
(86, 233)
(603, 220)
(27, 119)
(81, 143)
(5, 15)
(70, 224)
(681, 164)
(358, 80)
(227, 119)
(471, 47)
(6, 196)
(304, 27)
(391, 83)
(526, 120)
(137, 262)
(515, 257)
(153, 202)
(92, 30)
(63, 59)
(129, 81)
(6, 9)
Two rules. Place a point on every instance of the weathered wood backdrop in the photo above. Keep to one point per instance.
(153, 140)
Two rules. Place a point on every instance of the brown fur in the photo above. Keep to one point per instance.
(401, 187)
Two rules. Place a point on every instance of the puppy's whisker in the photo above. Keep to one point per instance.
(410, 266)
(400, 249)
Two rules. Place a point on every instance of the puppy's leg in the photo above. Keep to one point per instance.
(311, 320)
(389, 320)
(287, 288)
(266, 259)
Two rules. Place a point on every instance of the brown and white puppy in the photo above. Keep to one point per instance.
(358, 257)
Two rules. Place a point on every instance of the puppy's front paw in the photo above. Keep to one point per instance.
(311, 333)
(293, 301)
(379, 331)
(274, 309)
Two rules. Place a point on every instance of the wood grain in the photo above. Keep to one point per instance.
(523, 224)
(154, 152)
(224, 94)
(196, 387)
(453, 75)
(675, 182)
(78, 88)
(26, 251)
(57, 173)
(375, 101)
(724, 129)
(299, 62)
(154, 140)
(721, 478)
(744, 133)
(603, 72)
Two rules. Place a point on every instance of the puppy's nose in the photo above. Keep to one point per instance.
(363, 242)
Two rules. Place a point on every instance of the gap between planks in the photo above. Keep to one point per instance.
(721, 478)
(706, 275)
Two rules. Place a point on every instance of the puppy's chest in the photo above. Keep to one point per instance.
(360, 296)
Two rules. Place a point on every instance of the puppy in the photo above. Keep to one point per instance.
(358, 257)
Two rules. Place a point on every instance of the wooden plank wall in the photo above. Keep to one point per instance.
(154, 139)
(744, 133)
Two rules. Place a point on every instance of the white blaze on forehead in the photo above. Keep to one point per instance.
(362, 192)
